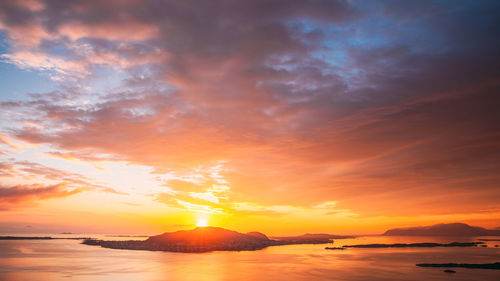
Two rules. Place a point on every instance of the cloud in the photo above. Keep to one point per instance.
(34, 172)
(123, 31)
(303, 101)
(85, 30)
(13, 196)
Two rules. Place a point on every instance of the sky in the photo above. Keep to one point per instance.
(279, 116)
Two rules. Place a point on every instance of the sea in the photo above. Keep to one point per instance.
(33, 260)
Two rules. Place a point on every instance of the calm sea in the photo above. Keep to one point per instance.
(69, 260)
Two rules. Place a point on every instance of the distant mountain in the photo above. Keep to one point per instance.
(443, 229)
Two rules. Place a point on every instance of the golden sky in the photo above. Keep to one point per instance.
(283, 117)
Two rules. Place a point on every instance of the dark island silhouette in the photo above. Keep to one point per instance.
(489, 240)
(444, 229)
(26, 238)
(495, 265)
(416, 245)
(335, 248)
(40, 238)
(205, 239)
(310, 238)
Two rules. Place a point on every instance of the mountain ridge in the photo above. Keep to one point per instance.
(443, 229)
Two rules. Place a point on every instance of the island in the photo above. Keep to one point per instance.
(488, 239)
(311, 238)
(416, 245)
(203, 239)
(443, 229)
(25, 238)
(495, 265)
(41, 238)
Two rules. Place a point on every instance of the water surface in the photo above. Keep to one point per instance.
(70, 260)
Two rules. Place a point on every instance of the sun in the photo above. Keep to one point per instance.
(201, 220)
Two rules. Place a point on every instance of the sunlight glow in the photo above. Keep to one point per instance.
(201, 220)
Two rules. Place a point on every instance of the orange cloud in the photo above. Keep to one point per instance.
(126, 30)
(13, 196)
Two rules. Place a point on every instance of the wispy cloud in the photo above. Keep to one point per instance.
(13, 196)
